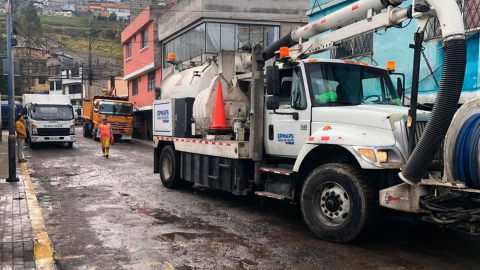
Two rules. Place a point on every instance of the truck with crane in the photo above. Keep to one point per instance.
(119, 113)
(330, 135)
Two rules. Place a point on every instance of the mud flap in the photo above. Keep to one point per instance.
(156, 155)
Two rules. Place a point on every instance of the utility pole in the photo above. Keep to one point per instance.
(93, 35)
(12, 169)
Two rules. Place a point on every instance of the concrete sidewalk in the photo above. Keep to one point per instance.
(17, 247)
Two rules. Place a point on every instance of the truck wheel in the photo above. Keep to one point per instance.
(85, 130)
(32, 145)
(169, 165)
(70, 145)
(338, 203)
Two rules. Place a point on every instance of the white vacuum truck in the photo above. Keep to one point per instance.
(330, 135)
(49, 118)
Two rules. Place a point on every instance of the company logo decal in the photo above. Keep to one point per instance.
(286, 138)
(163, 115)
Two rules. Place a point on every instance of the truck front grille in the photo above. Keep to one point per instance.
(421, 125)
(53, 131)
(116, 124)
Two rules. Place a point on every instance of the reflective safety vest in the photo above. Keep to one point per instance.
(104, 130)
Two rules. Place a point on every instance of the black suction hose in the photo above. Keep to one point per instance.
(455, 60)
(285, 41)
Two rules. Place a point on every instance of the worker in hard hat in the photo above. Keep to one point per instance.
(104, 132)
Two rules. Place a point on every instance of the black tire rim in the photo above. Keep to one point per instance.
(332, 204)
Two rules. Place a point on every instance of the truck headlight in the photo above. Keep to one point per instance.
(383, 157)
(34, 130)
(72, 129)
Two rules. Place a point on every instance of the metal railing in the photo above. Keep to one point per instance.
(355, 47)
(470, 10)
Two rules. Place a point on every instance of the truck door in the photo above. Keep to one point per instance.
(285, 136)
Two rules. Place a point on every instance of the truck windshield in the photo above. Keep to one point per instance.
(116, 108)
(336, 84)
(52, 112)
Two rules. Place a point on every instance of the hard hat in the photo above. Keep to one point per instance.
(104, 118)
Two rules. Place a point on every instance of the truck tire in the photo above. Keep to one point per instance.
(70, 145)
(32, 145)
(85, 130)
(339, 203)
(169, 166)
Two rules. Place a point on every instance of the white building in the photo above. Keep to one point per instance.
(122, 10)
(72, 84)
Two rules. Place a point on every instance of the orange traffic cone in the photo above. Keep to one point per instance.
(219, 122)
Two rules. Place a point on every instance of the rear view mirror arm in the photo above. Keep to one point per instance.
(275, 78)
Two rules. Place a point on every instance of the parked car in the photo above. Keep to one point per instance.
(78, 116)
(6, 112)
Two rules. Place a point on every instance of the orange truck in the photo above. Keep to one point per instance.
(119, 113)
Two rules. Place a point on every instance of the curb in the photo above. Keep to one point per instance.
(43, 251)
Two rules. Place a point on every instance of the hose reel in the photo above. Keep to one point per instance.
(462, 145)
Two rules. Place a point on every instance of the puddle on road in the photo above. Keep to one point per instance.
(248, 262)
(228, 248)
(177, 237)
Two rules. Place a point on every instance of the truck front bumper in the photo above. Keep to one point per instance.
(40, 139)
(125, 133)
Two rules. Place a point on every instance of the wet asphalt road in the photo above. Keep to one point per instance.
(115, 214)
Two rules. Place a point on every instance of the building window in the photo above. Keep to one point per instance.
(470, 10)
(129, 50)
(52, 86)
(151, 81)
(145, 38)
(42, 81)
(75, 89)
(135, 87)
(213, 37)
(52, 71)
(58, 85)
(354, 47)
(75, 72)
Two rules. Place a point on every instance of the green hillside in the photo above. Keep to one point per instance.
(74, 33)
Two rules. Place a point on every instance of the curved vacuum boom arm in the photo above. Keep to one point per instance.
(454, 64)
(336, 19)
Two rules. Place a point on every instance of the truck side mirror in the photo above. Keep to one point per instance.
(273, 103)
(400, 88)
(273, 83)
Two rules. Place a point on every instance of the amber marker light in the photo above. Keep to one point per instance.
(284, 52)
(391, 66)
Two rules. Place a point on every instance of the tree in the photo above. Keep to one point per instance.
(112, 17)
(28, 25)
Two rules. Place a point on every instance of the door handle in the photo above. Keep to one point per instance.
(270, 132)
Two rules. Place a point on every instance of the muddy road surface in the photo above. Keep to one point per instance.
(115, 214)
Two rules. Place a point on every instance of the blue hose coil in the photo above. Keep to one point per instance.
(466, 153)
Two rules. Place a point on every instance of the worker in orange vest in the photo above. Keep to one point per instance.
(104, 132)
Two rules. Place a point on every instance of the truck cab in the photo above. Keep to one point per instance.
(329, 103)
(49, 119)
(118, 112)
